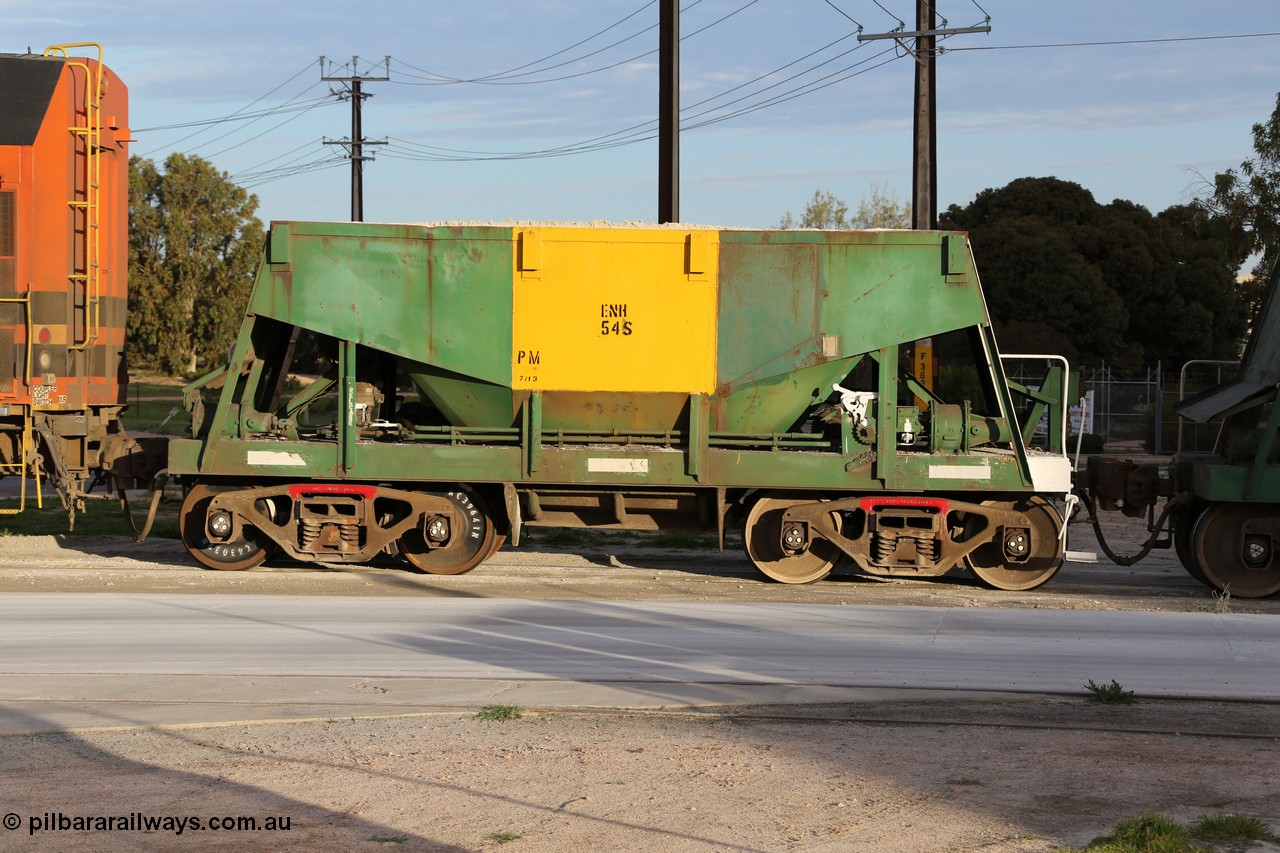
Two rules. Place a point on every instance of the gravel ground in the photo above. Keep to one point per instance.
(938, 776)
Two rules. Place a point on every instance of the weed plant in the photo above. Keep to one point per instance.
(1109, 694)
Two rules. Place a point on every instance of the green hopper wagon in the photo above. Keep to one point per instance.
(1223, 507)
(428, 391)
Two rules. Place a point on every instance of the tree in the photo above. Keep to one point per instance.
(1102, 282)
(882, 209)
(1248, 199)
(824, 210)
(879, 209)
(193, 245)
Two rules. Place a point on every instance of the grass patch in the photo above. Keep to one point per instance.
(1146, 834)
(500, 713)
(1156, 834)
(504, 837)
(1221, 603)
(1109, 694)
(1231, 827)
(157, 408)
(965, 782)
(100, 518)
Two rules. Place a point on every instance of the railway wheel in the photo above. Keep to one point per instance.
(1235, 548)
(762, 535)
(473, 542)
(1184, 523)
(244, 552)
(1012, 562)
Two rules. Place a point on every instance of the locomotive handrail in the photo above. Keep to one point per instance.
(21, 470)
(91, 133)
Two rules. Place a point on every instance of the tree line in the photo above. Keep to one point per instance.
(1096, 282)
(1062, 272)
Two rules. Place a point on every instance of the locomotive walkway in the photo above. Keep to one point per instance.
(94, 660)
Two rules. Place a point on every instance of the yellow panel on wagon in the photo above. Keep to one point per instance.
(614, 309)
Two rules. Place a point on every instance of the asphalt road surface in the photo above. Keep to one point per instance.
(640, 648)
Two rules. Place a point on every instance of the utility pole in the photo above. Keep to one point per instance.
(669, 111)
(924, 171)
(355, 144)
(924, 158)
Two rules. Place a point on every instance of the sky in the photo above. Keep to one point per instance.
(547, 109)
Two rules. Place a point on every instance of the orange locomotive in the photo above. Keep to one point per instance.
(64, 202)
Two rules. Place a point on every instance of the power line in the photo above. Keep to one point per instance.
(1111, 43)
(242, 109)
(902, 25)
(501, 76)
(314, 166)
(635, 134)
(579, 43)
(844, 13)
(253, 169)
(291, 118)
(306, 105)
(506, 79)
(643, 130)
(625, 136)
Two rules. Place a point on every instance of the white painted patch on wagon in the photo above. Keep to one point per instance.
(960, 472)
(274, 457)
(597, 465)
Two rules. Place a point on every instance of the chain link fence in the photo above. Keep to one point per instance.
(1133, 411)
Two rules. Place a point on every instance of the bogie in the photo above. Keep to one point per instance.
(237, 525)
(1009, 544)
